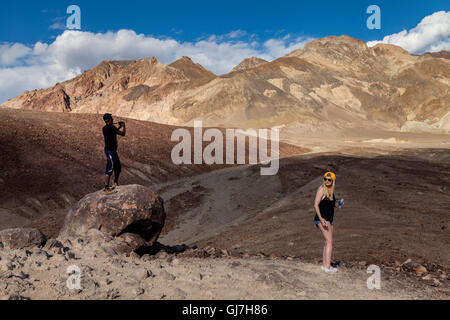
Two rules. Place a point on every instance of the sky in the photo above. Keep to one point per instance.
(37, 50)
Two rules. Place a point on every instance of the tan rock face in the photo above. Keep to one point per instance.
(335, 79)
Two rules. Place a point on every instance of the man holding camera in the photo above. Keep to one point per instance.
(113, 164)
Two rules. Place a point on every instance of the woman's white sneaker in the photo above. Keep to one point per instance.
(331, 270)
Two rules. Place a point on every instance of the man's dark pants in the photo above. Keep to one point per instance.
(113, 164)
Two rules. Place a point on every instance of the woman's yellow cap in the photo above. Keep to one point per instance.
(331, 174)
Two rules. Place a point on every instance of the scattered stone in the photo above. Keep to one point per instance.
(420, 270)
(142, 274)
(427, 277)
(146, 258)
(167, 276)
(16, 296)
(179, 294)
(21, 275)
(112, 294)
(53, 244)
(434, 282)
(406, 262)
(138, 291)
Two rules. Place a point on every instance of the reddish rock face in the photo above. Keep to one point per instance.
(21, 238)
(133, 210)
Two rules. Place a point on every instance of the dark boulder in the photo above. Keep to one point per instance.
(133, 209)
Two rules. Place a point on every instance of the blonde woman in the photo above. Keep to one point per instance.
(324, 204)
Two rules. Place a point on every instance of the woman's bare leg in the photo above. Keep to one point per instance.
(327, 250)
(331, 227)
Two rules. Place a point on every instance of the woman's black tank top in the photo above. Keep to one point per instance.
(326, 207)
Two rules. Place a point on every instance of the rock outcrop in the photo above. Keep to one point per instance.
(249, 63)
(131, 219)
(21, 238)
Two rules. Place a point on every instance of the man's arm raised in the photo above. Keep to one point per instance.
(122, 129)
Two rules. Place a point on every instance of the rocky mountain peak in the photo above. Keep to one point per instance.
(249, 63)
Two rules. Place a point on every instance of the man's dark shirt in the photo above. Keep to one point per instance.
(110, 134)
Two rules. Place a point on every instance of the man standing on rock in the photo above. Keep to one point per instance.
(113, 164)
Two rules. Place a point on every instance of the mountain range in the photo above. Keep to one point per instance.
(334, 82)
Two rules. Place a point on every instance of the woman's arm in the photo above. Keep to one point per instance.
(319, 196)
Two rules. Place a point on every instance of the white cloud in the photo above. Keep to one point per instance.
(430, 35)
(57, 26)
(236, 34)
(10, 54)
(43, 65)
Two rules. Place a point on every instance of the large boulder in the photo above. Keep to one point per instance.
(133, 209)
(21, 238)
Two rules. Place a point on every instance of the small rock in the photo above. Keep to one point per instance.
(16, 296)
(162, 255)
(406, 262)
(105, 282)
(138, 291)
(427, 277)
(135, 256)
(112, 294)
(70, 256)
(435, 283)
(53, 244)
(167, 276)
(179, 294)
(146, 258)
(420, 270)
(142, 274)
(21, 275)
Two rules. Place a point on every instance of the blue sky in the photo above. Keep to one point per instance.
(29, 21)
(36, 51)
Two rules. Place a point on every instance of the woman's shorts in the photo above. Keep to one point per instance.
(316, 223)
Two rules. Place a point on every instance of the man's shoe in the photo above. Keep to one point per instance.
(109, 191)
